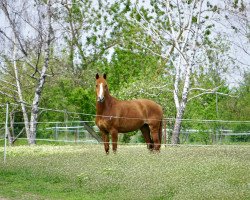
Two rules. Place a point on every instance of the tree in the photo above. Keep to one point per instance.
(238, 108)
(41, 80)
(25, 46)
(185, 31)
(80, 24)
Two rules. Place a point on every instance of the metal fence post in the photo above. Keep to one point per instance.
(6, 131)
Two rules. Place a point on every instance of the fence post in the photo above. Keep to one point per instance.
(6, 131)
(56, 132)
(77, 132)
(165, 132)
(66, 123)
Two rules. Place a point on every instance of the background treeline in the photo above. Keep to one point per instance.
(51, 51)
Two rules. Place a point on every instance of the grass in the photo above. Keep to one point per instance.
(85, 172)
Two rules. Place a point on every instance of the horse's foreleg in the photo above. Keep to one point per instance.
(114, 135)
(105, 138)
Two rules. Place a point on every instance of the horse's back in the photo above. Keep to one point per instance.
(143, 108)
(151, 108)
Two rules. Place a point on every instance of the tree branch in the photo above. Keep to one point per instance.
(7, 88)
(208, 90)
(211, 92)
(157, 54)
(8, 83)
(3, 5)
(7, 94)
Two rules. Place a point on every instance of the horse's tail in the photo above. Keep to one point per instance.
(160, 131)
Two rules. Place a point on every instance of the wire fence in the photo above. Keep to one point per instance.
(192, 132)
(59, 126)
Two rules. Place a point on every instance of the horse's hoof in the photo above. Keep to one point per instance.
(157, 151)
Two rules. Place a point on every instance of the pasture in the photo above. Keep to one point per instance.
(85, 172)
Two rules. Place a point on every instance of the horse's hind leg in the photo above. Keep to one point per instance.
(154, 128)
(146, 134)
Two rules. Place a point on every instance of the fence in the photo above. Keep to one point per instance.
(73, 131)
(70, 127)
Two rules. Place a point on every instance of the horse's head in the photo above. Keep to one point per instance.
(101, 88)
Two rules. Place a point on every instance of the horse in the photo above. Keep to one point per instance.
(115, 116)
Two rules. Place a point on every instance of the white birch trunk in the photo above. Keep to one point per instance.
(176, 84)
(181, 109)
(41, 81)
(184, 98)
(19, 91)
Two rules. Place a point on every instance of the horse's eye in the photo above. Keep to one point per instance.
(95, 85)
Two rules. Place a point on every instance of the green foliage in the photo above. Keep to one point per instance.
(127, 67)
(238, 108)
(65, 95)
(84, 100)
(200, 138)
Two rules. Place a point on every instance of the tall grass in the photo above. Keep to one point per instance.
(85, 172)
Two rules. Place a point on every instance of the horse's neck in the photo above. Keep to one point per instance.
(101, 108)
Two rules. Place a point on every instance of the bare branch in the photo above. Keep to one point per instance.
(7, 82)
(202, 89)
(9, 89)
(151, 27)
(211, 92)
(150, 94)
(3, 6)
(157, 54)
(7, 94)
(160, 87)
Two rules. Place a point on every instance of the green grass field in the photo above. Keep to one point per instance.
(85, 172)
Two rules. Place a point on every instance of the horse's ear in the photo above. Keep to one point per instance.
(104, 76)
(97, 76)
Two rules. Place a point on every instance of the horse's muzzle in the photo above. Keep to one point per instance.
(100, 99)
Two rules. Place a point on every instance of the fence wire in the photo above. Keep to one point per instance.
(56, 125)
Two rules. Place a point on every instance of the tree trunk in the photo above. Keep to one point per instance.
(41, 81)
(184, 98)
(181, 108)
(10, 132)
(177, 127)
(10, 138)
(19, 91)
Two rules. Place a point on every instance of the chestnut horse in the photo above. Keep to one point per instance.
(114, 116)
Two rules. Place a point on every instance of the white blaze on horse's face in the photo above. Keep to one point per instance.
(100, 95)
(101, 88)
